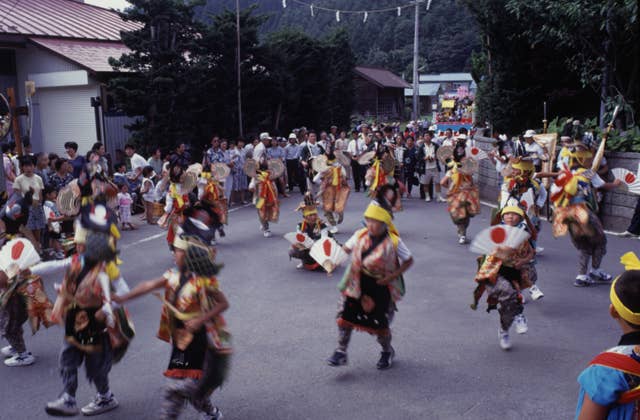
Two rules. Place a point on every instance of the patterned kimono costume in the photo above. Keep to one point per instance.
(575, 211)
(178, 201)
(266, 198)
(24, 299)
(376, 177)
(334, 191)
(198, 360)
(81, 297)
(313, 231)
(213, 197)
(463, 199)
(503, 282)
(368, 306)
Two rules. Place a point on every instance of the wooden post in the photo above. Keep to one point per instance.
(11, 93)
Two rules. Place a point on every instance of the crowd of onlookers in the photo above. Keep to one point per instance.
(138, 178)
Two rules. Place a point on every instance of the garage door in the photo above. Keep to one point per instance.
(66, 115)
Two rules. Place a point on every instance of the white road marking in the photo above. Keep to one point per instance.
(163, 233)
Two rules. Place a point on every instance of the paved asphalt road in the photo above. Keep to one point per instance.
(448, 364)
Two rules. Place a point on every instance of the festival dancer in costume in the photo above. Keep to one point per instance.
(381, 172)
(334, 190)
(176, 202)
(22, 298)
(192, 322)
(265, 196)
(314, 228)
(610, 386)
(504, 274)
(373, 283)
(212, 196)
(574, 198)
(463, 198)
(519, 188)
(84, 308)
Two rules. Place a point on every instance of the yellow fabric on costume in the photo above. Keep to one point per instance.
(569, 187)
(267, 192)
(456, 177)
(376, 212)
(173, 193)
(335, 176)
(377, 167)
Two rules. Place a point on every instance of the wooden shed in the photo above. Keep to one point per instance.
(379, 93)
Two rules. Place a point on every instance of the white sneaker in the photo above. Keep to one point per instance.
(582, 280)
(535, 292)
(63, 406)
(20, 359)
(600, 276)
(521, 324)
(441, 199)
(539, 250)
(300, 266)
(505, 343)
(100, 404)
(8, 351)
(267, 234)
(462, 240)
(428, 199)
(334, 229)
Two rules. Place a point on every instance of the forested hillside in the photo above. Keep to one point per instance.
(448, 33)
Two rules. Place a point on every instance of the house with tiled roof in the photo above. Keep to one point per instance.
(63, 46)
(379, 93)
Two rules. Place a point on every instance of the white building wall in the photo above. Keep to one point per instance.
(61, 113)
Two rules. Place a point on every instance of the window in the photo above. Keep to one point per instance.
(7, 62)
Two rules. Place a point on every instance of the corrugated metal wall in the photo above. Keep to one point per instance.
(115, 133)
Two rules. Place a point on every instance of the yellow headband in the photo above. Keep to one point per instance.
(376, 212)
(523, 165)
(513, 209)
(309, 211)
(630, 262)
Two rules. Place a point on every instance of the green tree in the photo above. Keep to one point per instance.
(340, 61)
(155, 82)
(599, 41)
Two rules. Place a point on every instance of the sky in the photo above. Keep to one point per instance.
(116, 4)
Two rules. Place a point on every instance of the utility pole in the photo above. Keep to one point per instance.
(416, 77)
(238, 62)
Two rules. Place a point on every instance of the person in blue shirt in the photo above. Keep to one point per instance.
(77, 161)
(610, 385)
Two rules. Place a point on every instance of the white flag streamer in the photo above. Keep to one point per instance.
(311, 7)
(399, 11)
(284, 4)
(428, 4)
(337, 15)
(366, 15)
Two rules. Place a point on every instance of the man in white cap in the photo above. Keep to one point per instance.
(533, 148)
(291, 156)
(261, 148)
